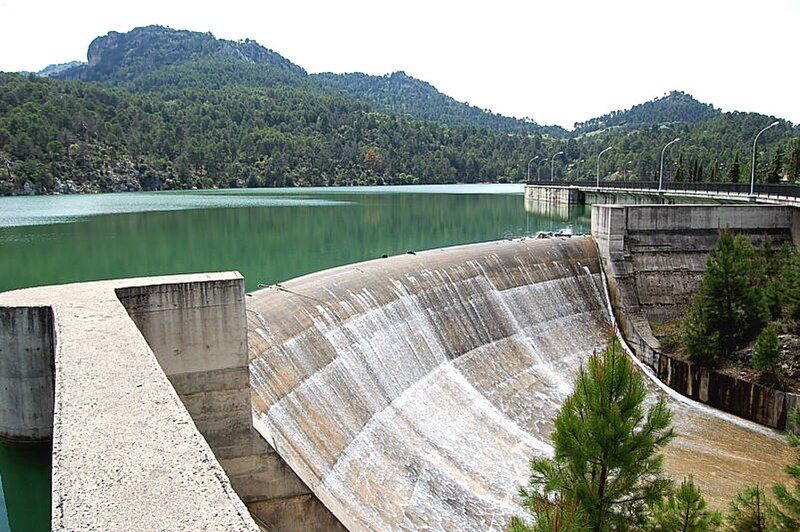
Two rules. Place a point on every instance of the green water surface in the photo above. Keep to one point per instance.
(269, 235)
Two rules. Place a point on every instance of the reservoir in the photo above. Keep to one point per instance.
(269, 235)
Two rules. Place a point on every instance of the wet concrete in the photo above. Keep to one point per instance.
(411, 392)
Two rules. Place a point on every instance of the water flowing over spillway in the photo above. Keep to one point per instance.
(411, 392)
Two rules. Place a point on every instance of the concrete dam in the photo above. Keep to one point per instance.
(403, 393)
(411, 392)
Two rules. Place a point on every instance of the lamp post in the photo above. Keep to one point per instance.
(553, 164)
(661, 171)
(753, 168)
(598, 163)
(529, 167)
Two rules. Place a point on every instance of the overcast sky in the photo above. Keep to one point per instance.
(556, 61)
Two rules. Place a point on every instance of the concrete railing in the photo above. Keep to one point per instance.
(581, 192)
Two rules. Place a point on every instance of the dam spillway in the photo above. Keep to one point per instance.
(411, 392)
(400, 389)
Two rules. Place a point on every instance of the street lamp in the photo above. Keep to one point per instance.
(661, 171)
(529, 167)
(598, 164)
(553, 163)
(753, 168)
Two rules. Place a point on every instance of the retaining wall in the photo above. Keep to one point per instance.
(655, 257)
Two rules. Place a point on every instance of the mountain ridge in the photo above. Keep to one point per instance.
(132, 58)
(171, 109)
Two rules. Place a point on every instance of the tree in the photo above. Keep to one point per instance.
(734, 170)
(766, 354)
(712, 174)
(776, 170)
(789, 283)
(794, 161)
(728, 310)
(606, 446)
(685, 510)
(749, 510)
(785, 513)
(680, 171)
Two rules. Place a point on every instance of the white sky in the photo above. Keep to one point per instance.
(555, 61)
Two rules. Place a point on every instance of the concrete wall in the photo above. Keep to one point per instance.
(26, 373)
(198, 332)
(655, 257)
(126, 452)
(559, 195)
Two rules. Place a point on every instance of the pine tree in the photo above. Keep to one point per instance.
(785, 513)
(749, 510)
(712, 174)
(606, 446)
(728, 309)
(776, 170)
(789, 283)
(794, 162)
(685, 510)
(766, 354)
(679, 170)
(734, 170)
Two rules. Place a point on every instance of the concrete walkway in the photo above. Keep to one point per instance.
(126, 453)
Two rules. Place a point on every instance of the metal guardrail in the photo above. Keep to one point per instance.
(778, 190)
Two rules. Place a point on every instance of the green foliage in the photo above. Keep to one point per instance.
(794, 161)
(558, 514)
(776, 170)
(674, 107)
(734, 174)
(680, 170)
(684, 510)
(728, 310)
(606, 447)
(749, 511)
(197, 111)
(785, 513)
(766, 354)
(402, 94)
(207, 137)
(789, 283)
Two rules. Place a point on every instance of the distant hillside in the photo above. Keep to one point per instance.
(674, 107)
(170, 109)
(403, 94)
(155, 58)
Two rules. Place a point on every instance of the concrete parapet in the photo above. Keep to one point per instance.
(126, 453)
(26, 373)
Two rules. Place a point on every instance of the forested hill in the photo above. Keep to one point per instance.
(162, 109)
(155, 57)
(401, 93)
(674, 107)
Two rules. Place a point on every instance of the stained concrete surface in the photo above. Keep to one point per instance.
(411, 392)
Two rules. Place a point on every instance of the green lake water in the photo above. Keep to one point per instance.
(269, 235)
